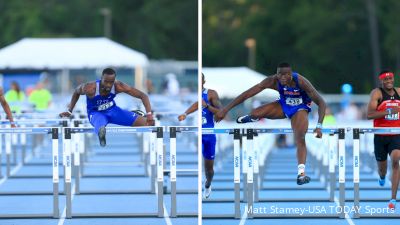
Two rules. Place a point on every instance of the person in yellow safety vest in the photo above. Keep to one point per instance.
(15, 97)
(40, 98)
(329, 119)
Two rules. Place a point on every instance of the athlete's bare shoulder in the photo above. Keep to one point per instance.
(270, 82)
(397, 90)
(377, 90)
(302, 79)
(304, 83)
(121, 86)
(376, 94)
(212, 92)
(88, 89)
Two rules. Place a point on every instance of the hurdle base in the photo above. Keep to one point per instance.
(114, 215)
(27, 216)
(187, 214)
(218, 216)
(113, 192)
(283, 216)
(377, 215)
(26, 193)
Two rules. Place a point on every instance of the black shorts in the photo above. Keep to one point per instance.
(384, 145)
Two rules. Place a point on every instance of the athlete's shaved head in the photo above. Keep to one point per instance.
(108, 79)
(108, 71)
(284, 73)
(284, 65)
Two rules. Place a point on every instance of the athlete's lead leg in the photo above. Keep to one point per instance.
(300, 126)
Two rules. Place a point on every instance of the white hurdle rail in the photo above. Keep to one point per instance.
(356, 171)
(159, 162)
(173, 170)
(55, 136)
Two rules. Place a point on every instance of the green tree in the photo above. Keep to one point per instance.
(159, 28)
(328, 41)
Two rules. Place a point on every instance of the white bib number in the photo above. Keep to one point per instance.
(294, 101)
(392, 117)
(105, 106)
(204, 120)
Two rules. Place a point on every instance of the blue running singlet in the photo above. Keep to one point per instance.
(208, 140)
(293, 99)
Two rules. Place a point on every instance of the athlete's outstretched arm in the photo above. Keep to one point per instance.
(373, 104)
(122, 87)
(80, 90)
(6, 108)
(191, 109)
(266, 83)
(215, 105)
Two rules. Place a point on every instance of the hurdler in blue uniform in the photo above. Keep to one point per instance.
(207, 118)
(296, 94)
(210, 105)
(101, 107)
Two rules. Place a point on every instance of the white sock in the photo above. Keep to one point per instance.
(301, 168)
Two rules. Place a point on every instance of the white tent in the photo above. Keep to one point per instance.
(72, 53)
(69, 53)
(230, 82)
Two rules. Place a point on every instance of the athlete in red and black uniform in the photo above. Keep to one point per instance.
(383, 108)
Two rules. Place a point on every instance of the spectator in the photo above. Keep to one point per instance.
(40, 97)
(172, 85)
(15, 97)
(329, 119)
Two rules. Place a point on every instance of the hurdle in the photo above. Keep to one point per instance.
(341, 136)
(250, 164)
(356, 173)
(78, 149)
(55, 177)
(236, 168)
(253, 157)
(11, 141)
(313, 147)
(84, 159)
(173, 170)
(160, 175)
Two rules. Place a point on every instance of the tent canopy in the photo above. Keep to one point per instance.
(69, 53)
(230, 82)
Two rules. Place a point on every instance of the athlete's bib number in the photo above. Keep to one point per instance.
(392, 117)
(204, 120)
(294, 101)
(105, 106)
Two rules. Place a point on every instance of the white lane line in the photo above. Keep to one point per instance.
(166, 216)
(348, 219)
(64, 214)
(244, 217)
(16, 169)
